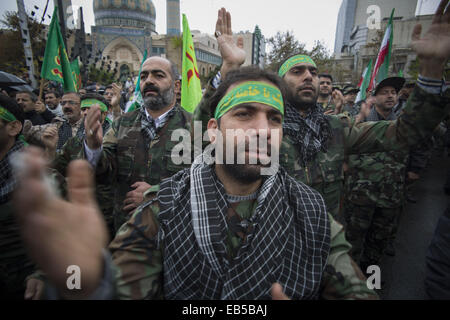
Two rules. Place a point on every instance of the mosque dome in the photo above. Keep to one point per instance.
(125, 13)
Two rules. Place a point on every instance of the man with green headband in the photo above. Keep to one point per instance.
(14, 262)
(219, 230)
(315, 145)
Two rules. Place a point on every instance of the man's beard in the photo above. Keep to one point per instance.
(300, 103)
(161, 101)
(243, 173)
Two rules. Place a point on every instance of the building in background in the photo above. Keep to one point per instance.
(122, 33)
(356, 44)
(173, 17)
(207, 53)
(254, 46)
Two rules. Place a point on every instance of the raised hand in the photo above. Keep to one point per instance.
(93, 127)
(433, 48)
(69, 233)
(39, 106)
(338, 101)
(233, 54)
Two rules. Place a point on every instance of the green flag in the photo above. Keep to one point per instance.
(56, 65)
(400, 73)
(364, 83)
(138, 100)
(191, 88)
(76, 74)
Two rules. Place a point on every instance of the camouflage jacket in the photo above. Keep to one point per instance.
(103, 191)
(127, 159)
(138, 263)
(422, 114)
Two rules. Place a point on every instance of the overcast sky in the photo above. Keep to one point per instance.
(310, 20)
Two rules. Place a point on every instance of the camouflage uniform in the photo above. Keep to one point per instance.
(325, 173)
(104, 192)
(127, 159)
(351, 110)
(375, 189)
(328, 106)
(138, 271)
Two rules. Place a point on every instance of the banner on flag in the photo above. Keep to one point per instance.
(191, 88)
(56, 65)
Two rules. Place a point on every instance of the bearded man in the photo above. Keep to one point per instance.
(136, 150)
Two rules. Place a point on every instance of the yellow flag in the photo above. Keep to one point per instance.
(191, 88)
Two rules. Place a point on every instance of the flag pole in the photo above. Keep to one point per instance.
(41, 89)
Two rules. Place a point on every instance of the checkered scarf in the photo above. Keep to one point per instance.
(7, 179)
(375, 116)
(289, 243)
(65, 133)
(311, 134)
(148, 126)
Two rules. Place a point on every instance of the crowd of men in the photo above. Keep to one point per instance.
(98, 187)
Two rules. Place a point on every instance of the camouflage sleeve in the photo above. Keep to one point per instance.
(63, 157)
(342, 278)
(422, 114)
(137, 261)
(203, 111)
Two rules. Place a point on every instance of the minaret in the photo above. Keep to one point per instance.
(173, 17)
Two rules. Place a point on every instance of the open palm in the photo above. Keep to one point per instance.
(435, 43)
(232, 53)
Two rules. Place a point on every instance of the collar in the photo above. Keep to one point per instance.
(160, 120)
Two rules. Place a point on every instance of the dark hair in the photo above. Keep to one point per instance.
(32, 96)
(75, 93)
(326, 75)
(108, 87)
(55, 92)
(95, 96)
(12, 106)
(244, 74)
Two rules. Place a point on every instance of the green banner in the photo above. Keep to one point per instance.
(56, 65)
(191, 88)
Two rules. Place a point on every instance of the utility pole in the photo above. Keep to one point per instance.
(62, 23)
(23, 22)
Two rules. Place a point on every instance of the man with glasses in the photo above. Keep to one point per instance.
(70, 126)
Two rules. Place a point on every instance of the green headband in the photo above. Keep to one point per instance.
(9, 117)
(293, 61)
(252, 91)
(87, 103)
(6, 115)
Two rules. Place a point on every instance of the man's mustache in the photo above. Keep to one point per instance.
(151, 88)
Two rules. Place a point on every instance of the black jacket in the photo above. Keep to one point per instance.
(39, 118)
(437, 278)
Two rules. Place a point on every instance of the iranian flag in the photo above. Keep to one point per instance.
(364, 83)
(381, 68)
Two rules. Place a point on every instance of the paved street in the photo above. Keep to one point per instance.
(404, 274)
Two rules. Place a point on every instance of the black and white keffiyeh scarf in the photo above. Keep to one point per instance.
(310, 134)
(148, 125)
(289, 243)
(375, 116)
(7, 179)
